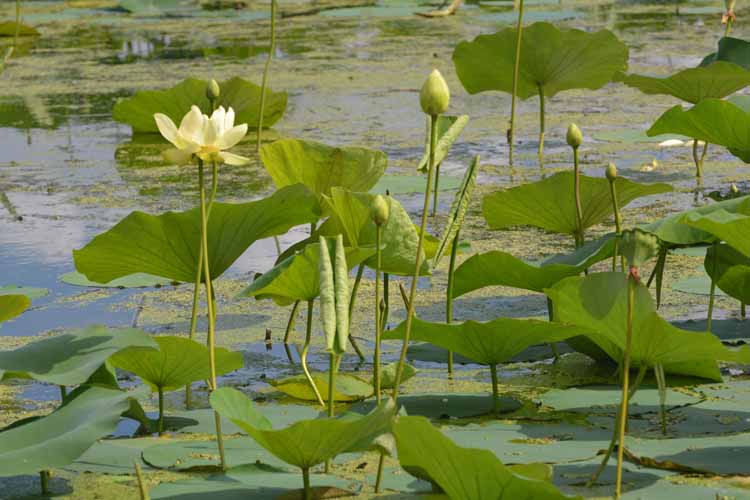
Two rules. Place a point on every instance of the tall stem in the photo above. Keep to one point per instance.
(142, 489)
(44, 480)
(161, 410)
(618, 221)
(632, 284)
(435, 191)
(352, 301)
(712, 294)
(303, 356)
(331, 384)
(541, 126)
(210, 306)
(699, 159)
(290, 323)
(516, 65)
(271, 51)
(378, 327)
(386, 299)
(579, 210)
(306, 483)
(449, 295)
(418, 259)
(495, 394)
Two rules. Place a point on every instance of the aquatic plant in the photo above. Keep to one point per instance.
(271, 50)
(574, 138)
(551, 60)
(611, 175)
(380, 213)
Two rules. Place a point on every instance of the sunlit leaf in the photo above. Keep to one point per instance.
(730, 270)
(9, 29)
(732, 228)
(732, 50)
(12, 306)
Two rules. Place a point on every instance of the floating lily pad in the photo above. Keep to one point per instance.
(697, 285)
(185, 455)
(630, 136)
(9, 29)
(137, 280)
(31, 292)
(606, 398)
(445, 406)
(348, 387)
(412, 184)
(10, 307)
(241, 95)
(113, 456)
(202, 421)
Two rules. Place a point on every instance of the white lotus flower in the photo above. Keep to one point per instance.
(202, 137)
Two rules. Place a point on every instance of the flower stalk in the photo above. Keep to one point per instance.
(264, 82)
(516, 69)
(575, 139)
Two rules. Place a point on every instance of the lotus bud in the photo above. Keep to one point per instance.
(379, 210)
(734, 189)
(611, 172)
(435, 95)
(574, 136)
(213, 91)
(639, 246)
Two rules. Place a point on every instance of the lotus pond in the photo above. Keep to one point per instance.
(374, 249)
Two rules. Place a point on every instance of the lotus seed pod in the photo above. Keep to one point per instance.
(435, 95)
(213, 91)
(574, 136)
(379, 210)
(611, 172)
(638, 246)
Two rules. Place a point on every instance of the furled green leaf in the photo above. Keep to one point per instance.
(296, 277)
(496, 268)
(674, 230)
(350, 216)
(732, 228)
(70, 358)
(9, 29)
(551, 58)
(733, 50)
(342, 294)
(241, 95)
(179, 361)
(598, 303)
(449, 128)
(714, 121)
(59, 438)
(730, 270)
(458, 211)
(12, 306)
(347, 387)
(168, 245)
(489, 343)
(550, 203)
(307, 443)
(692, 85)
(465, 473)
(321, 167)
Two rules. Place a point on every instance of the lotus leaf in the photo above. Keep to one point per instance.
(465, 473)
(731, 272)
(29, 291)
(137, 280)
(241, 95)
(70, 358)
(321, 167)
(12, 306)
(307, 443)
(598, 304)
(549, 204)
(692, 85)
(178, 362)
(552, 59)
(714, 121)
(350, 216)
(457, 212)
(167, 245)
(59, 438)
(449, 128)
(347, 387)
(9, 28)
(732, 228)
(732, 50)
(410, 184)
(296, 277)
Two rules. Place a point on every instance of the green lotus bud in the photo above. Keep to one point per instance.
(435, 95)
(611, 172)
(638, 246)
(379, 210)
(213, 91)
(574, 136)
(734, 189)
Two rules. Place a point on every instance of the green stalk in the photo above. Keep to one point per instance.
(418, 259)
(303, 356)
(551, 318)
(161, 411)
(495, 394)
(743, 312)
(516, 65)
(379, 477)
(44, 479)
(142, 489)
(332, 367)
(449, 295)
(63, 393)
(632, 284)
(378, 326)
(660, 263)
(661, 382)
(290, 323)
(352, 301)
(618, 222)
(541, 126)
(712, 294)
(209, 300)
(698, 160)
(306, 482)
(386, 299)
(579, 210)
(728, 29)
(435, 192)
(265, 76)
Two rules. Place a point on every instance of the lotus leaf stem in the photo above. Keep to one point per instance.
(699, 159)
(142, 489)
(577, 193)
(303, 356)
(63, 393)
(352, 301)
(632, 284)
(379, 477)
(712, 293)
(660, 264)
(661, 382)
(449, 294)
(332, 367)
(516, 66)
(551, 318)
(161, 411)
(386, 299)
(541, 125)
(264, 81)
(290, 323)
(44, 480)
(743, 312)
(618, 225)
(495, 393)
(306, 483)
(435, 192)
(378, 326)
(418, 259)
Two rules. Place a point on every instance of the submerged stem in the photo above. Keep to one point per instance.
(264, 81)
(661, 382)
(449, 294)
(44, 480)
(303, 356)
(514, 89)
(418, 259)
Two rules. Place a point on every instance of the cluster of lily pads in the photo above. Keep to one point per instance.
(598, 301)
